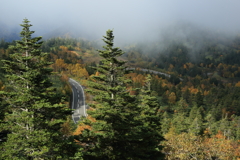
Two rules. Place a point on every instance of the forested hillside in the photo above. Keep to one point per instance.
(192, 114)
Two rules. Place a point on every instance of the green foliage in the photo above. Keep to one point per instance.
(125, 126)
(34, 111)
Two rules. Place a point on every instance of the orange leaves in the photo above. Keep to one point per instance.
(82, 126)
(219, 146)
(219, 135)
(66, 129)
(63, 48)
(77, 69)
(237, 84)
(64, 78)
(136, 78)
(1, 86)
(202, 86)
(193, 90)
(185, 66)
(131, 91)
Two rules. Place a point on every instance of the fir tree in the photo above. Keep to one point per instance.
(150, 117)
(35, 113)
(166, 122)
(124, 126)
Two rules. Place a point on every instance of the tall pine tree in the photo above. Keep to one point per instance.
(124, 126)
(35, 113)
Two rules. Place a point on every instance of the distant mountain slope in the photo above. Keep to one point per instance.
(67, 31)
(8, 33)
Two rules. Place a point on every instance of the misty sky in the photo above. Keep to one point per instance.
(129, 18)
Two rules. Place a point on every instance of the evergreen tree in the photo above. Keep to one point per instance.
(166, 122)
(124, 128)
(35, 111)
(196, 120)
(193, 112)
(196, 126)
(151, 119)
(180, 123)
(199, 99)
(3, 109)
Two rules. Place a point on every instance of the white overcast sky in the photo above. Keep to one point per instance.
(128, 18)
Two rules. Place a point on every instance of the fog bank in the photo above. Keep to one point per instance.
(132, 21)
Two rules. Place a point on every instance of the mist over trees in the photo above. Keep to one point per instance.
(189, 105)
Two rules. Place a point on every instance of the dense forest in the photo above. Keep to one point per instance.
(193, 113)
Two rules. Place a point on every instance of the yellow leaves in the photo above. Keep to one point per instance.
(189, 65)
(77, 70)
(73, 52)
(183, 146)
(172, 98)
(220, 65)
(97, 73)
(164, 84)
(171, 133)
(206, 131)
(205, 93)
(167, 92)
(85, 73)
(77, 48)
(228, 84)
(59, 65)
(198, 77)
(170, 67)
(188, 146)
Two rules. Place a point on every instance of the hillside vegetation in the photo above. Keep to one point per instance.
(196, 109)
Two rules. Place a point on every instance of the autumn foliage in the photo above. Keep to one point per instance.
(188, 146)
